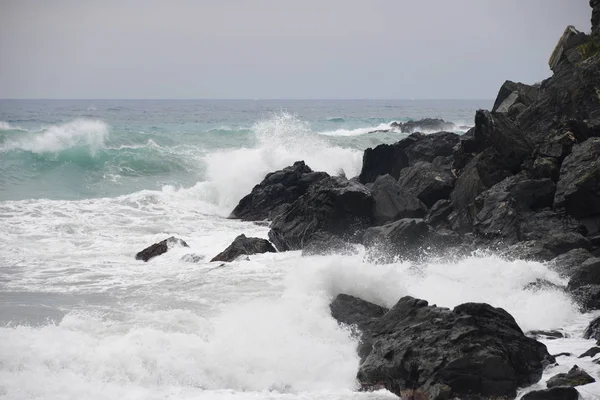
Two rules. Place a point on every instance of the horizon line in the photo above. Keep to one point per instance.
(243, 99)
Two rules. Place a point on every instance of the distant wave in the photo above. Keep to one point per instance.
(5, 126)
(55, 138)
(459, 128)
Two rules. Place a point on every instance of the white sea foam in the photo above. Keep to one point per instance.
(79, 132)
(280, 141)
(5, 126)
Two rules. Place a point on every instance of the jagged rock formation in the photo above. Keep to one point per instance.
(474, 350)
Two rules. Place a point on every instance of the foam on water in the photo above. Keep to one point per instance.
(83, 319)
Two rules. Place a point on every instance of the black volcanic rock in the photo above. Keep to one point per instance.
(587, 274)
(160, 248)
(392, 202)
(392, 158)
(482, 172)
(476, 351)
(578, 189)
(404, 237)
(352, 311)
(427, 182)
(278, 189)
(382, 160)
(513, 96)
(504, 136)
(331, 207)
(243, 245)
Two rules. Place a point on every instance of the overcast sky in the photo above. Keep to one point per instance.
(398, 49)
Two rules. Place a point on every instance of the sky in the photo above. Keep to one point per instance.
(279, 49)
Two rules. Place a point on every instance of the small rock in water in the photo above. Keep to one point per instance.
(591, 352)
(244, 246)
(546, 334)
(557, 393)
(160, 248)
(575, 377)
(192, 258)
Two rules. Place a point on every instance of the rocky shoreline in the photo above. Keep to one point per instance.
(523, 182)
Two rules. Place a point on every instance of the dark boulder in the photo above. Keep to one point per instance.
(428, 183)
(244, 246)
(578, 189)
(587, 274)
(593, 330)
(427, 147)
(381, 160)
(331, 207)
(160, 248)
(439, 212)
(425, 124)
(403, 238)
(352, 311)
(587, 297)
(545, 167)
(392, 158)
(474, 350)
(512, 96)
(392, 202)
(562, 242)
(557, 393)
(278, 189)
(575, 377)
(504, 136)
(531, 250)
(568, 262)
(481, 173)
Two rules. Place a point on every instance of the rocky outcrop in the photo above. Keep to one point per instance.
(244, 246)
(426, 124)
(474, 350)
(392, 202)
(575, 377)
(278, 189)
(382, 160)
(514, 97)
(160, 248)
(331, 207)
(578, 189)
(391, 159)
(566, 48)
(557, 393)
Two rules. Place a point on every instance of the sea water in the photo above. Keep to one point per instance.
(85, 184)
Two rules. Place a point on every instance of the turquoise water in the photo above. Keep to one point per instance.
(74, 149)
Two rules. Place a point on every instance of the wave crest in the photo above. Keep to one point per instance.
(55, 138)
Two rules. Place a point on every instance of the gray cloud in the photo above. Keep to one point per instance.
(277, 49)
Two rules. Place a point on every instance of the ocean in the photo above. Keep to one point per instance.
(86, 184)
